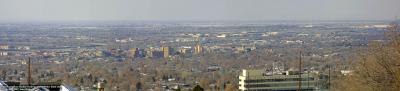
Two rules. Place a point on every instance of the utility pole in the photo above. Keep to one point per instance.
(4, 75)
(29, 71)
(329, 77)
(299, 84)
(273, 67)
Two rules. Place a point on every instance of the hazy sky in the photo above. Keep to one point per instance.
(199, 9)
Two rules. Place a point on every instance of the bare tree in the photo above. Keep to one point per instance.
(377, 67)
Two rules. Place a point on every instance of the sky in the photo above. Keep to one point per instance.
(203, 10)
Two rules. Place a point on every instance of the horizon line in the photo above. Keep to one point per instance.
(321, 20)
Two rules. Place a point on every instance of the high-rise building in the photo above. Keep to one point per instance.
(140, 53)
(149, 52)
(182, 51)
(198, 49)
(98, 53)
(3, 53)
(132, 52)
(258, 80)
(4, 47)
(166, 52)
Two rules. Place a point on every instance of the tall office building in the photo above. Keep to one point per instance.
(4, 47)
(259, 80)
(165, 52)
(149, 52)
(198, 49)
(99, 53)
(132, 52)
(182, 51)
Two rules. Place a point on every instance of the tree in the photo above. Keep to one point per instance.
(138, 86)
(198, 88)
(179, 89)
(204, 82)
(230, 87)
(377, 67)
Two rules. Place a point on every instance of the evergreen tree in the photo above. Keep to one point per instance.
(198, 88)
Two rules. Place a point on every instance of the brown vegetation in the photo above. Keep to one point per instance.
(377, 68)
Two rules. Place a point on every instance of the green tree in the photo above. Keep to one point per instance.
(198, 88)
(179, 89)
(138, 86)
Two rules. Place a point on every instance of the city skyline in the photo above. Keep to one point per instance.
(199, 45)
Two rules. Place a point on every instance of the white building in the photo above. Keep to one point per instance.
(258, 80)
